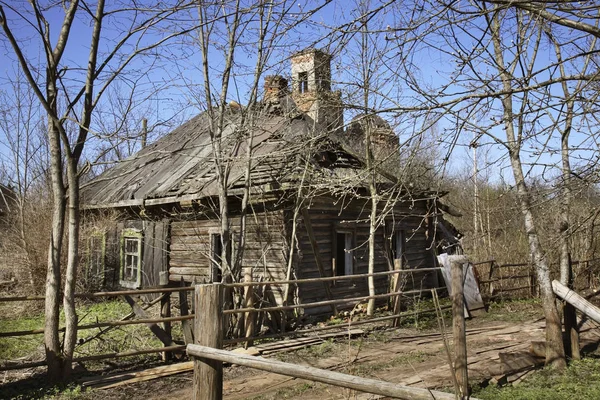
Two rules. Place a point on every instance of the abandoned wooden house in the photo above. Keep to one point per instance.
(308, 201)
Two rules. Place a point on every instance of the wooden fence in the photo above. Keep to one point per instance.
(519, 280)
(209, 356)
(163, 331)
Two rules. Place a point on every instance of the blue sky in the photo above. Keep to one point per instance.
(170, 84)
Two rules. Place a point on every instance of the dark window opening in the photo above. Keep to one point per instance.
(398, 249)
(303, 82)
(216, 247)
(343, 254)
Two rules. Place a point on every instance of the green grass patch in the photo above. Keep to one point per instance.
(117, 339)
(581, 381)
(21, 346)
(513, 311)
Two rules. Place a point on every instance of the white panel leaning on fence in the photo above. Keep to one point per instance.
(473, 302)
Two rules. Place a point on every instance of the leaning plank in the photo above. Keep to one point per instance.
(576, 301)
(157, 330)
(186, 326)
(319, 375)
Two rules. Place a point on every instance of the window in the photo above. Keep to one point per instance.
(303, 82)
(343, 253)
(131, 259)
(94, 277)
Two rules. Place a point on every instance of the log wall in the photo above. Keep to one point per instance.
(264, 256)
(326, 218)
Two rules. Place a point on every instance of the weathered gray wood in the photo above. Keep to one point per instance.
(576, 300)
(208, 374)
(316, 252)
(186, 326)
(459, 327)
(165, 312)
(319, 375)
(156, 330)
(473, 301)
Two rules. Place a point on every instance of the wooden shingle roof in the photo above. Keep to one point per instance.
(180, 166)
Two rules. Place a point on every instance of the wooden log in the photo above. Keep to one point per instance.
(459, 327)
(576, 300)
(346, 301)
(319, 375)
(333, 278)
(317, 253)
(208, 373)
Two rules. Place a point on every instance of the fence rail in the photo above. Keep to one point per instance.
(167, 319)
(499, 281)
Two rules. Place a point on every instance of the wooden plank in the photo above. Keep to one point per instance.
(473, 302)
(154, 328)
(186, 326)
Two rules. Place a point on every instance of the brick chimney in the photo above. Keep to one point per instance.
(276, 86)
(311, 88)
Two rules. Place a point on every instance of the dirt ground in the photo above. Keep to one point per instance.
(402, 356)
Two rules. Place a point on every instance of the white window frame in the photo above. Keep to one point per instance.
(131, 235)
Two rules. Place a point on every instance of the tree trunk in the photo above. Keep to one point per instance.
(72, 267)
(51, 319)
(555, 353)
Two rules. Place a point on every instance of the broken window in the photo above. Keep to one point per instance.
(343, 253)
(303, 82)
(131, 259)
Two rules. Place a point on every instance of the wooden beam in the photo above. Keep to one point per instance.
(576, 300)
(459, 327)
(319, 375)
(317, 253)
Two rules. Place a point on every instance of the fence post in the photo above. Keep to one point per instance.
(459, 328)
(165, 312)
(208, 331)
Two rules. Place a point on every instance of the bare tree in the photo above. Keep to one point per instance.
(67, 101)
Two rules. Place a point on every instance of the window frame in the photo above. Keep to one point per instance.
(138, 236)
